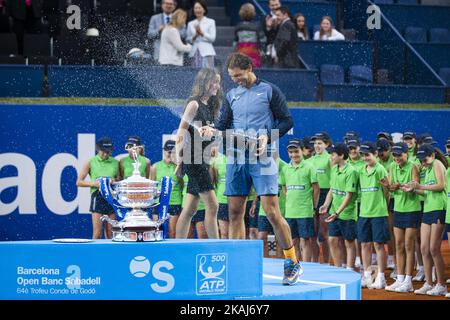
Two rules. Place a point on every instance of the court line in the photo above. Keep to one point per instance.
(342, 286)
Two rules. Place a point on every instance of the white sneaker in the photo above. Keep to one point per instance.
(380, 283)
(366, 282)
(438, 290)
(406, 286)
(425, 288)
(358, 262)
(420, 276)
(393, 274)
(447, 295)
(394, 286)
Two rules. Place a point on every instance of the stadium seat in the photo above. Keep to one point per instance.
(444, 73)
(5, 26)
(415, 34)
(384, 1)
(349, 34)
(312, 30)
(36, 45)
(407, 2)
(439, 35)
(71, 50)
(12, 60)
(140, 8)
(111, 7)
(360, 74)
(8, 44)
(331, 74)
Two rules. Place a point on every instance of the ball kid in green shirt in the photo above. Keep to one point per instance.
(299, 183)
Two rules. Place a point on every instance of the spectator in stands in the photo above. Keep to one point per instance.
(327, 31)
(248, 35)
(26, 16)
(270, 23)
(201, 32)
(302, 28)
(157, 24)
(286, 41)
(172, 48)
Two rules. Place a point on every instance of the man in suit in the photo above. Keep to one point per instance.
(157, 24)
(285, 42)
(26, 16)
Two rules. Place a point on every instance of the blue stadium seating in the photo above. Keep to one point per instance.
(436, 54)
(423, 16)
(416, 34)
(407, 2)
(384, 1)
(331, 74)
(444, 73)
(360, 74)
(343, 53)
(439, 35)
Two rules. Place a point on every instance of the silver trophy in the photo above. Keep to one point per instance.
(136, 193)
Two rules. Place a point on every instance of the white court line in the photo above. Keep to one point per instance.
(342, 287)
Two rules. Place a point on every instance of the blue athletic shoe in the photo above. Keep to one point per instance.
(291, 272)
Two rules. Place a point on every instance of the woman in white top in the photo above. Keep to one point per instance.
(327, 31)
(301, 27)
(172, 48)
(201, 32)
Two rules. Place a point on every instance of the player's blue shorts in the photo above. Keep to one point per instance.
(301, 227)
(404, 220)
(222, 213)
(434, 217)
(264, 224)
(262, 175)
(199, 216)
(373, 230)
(343, 228)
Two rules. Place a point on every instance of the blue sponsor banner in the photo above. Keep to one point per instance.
(42, 148)
(102, 269)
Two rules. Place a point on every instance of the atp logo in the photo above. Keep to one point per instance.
(164, 282)
(211, 273)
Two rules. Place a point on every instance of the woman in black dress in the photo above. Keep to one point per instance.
(193, 153)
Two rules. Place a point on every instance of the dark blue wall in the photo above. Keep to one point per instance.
(41, 132)
(21, 81)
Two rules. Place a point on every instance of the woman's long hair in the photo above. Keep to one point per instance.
(303, 30)
(441, 157)
(201, 86)
(321, 31)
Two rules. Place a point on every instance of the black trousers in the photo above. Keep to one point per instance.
(30, 25)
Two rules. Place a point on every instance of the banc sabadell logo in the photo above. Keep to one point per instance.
(164, 282)
(211, 273)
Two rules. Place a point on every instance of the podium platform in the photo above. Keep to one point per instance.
(102, 269)
(168, 270)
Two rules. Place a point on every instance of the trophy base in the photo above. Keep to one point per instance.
(137, 235)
